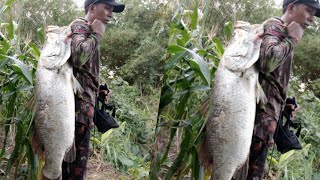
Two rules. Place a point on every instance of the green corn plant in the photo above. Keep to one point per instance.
(17, 64)
(191, 61)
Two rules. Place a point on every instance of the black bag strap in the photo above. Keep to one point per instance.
(105, 106)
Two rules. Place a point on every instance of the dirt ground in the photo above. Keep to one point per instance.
(98, 170)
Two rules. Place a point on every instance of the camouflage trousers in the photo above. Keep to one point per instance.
(77, 169)
(265, 127)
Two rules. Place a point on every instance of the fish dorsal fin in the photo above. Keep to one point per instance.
(244, 49)
(57, 48)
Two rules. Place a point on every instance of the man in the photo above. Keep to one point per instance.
(85, 56)
(280, 36)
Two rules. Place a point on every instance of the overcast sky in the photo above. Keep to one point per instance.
(81, 2)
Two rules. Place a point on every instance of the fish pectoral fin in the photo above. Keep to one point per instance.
(77, 88)
(70, 155)
(261, 96)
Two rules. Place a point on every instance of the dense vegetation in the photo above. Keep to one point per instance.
(131, 51)
(198, 36)
(175, 45)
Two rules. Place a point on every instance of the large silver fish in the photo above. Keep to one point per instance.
(233, 104)
(55, 113)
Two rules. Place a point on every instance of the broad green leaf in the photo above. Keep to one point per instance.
(184, 148)
(218, 47)
(171, 62)
(3, 62)
(105, 135)
(180, 113)
(125, 161)
(10, 29)
(285, 156)
(33, 161)
(185, 166)
(228, 30)
(41, 35)
(211, 56)
(212, 73)
(20, 68)
(180, 26)
(172, 48)
(166, 96)
(202, 69)
(10, 113)
(200, 88)
(185, 35)
(35, 51)
(195, 164)
(5, 46)
(180, 42)
(194, 17)
(202, 52)
(199, 65)
(9, 2)
(24, 88)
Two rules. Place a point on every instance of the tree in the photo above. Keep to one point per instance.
(135, 43)
(37, 14)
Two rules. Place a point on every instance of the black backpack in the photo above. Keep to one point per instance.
(102, 118)
(285, 138)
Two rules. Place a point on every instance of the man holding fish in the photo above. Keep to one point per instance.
(86, 35)
(280, 36)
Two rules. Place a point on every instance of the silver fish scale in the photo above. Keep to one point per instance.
(233, 104)
(55, 114)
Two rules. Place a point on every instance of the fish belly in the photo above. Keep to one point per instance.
(55, 117)
(230, 124)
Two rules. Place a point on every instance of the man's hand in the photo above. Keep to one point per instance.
(98, 27)
(105, 94)
(108, 95)
(291, 108)
(295, 31)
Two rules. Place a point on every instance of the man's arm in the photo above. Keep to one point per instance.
(275, 48)
(83, 45)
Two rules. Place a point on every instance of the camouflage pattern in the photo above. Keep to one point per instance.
(77, 169)
(275, 63)
(85, 58)
(261, 141)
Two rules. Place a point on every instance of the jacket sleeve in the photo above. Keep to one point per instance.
(275, 48)
(83, 45)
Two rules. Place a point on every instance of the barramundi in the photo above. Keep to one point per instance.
(233, 101)
(55, 105)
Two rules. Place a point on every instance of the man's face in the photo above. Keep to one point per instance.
(102, 12)
(303, 14)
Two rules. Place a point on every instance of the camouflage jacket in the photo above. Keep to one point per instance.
(85, 58)
(275, 64)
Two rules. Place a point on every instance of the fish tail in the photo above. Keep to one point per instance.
(204, 156)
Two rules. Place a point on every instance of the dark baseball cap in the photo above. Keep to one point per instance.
(312, 3)
(118, 7)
